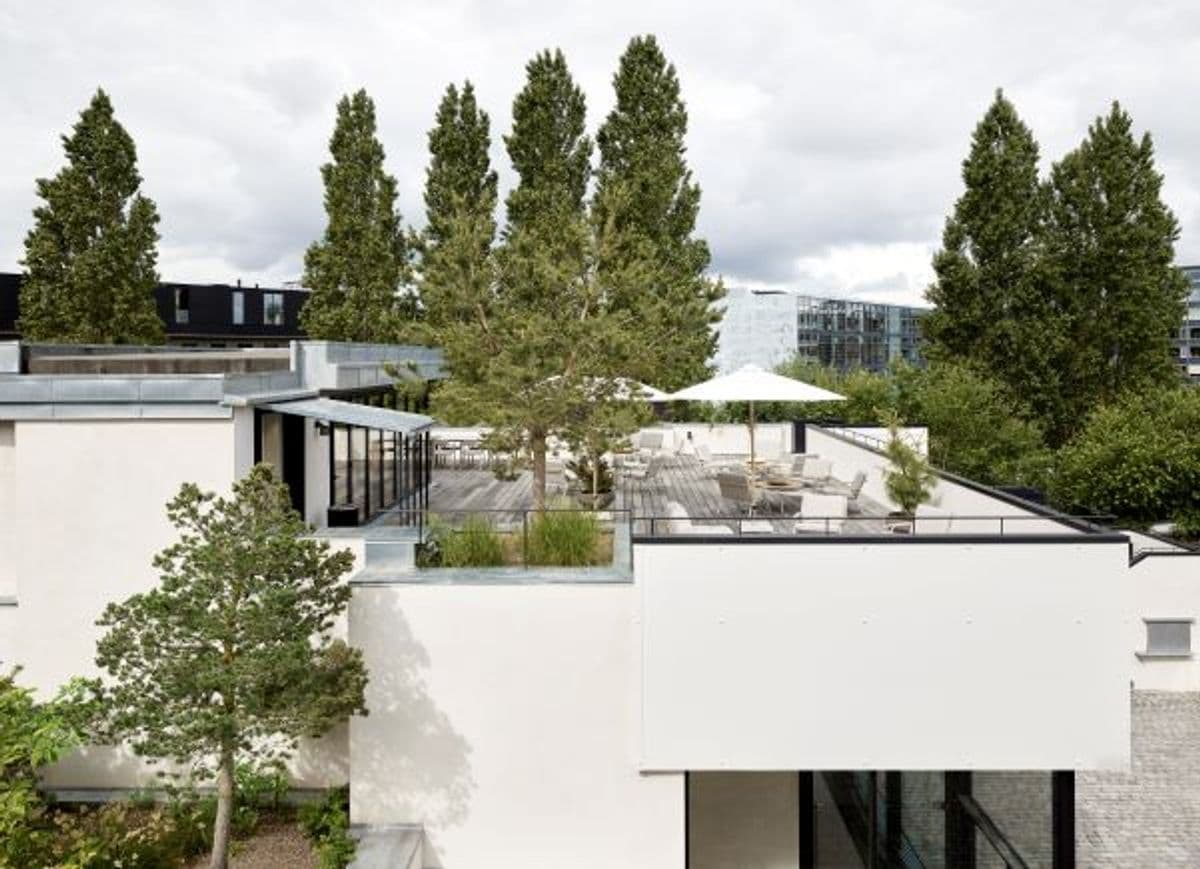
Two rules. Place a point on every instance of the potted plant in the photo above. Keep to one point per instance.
(909, 481)
(595, 481)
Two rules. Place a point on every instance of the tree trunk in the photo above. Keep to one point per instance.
(595, 482)
(537, 442)
(223, 822)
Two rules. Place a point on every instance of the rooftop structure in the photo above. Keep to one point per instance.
(767, 327)
(765, 664)
(201, 315)
(1187, 344)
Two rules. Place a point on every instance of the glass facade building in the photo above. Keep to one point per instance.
(1187, 345)
(846, 334)
(766, 328)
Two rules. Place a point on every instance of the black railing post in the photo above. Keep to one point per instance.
(1062, 788)
(960, 832)
(807, 821)
(525, 538)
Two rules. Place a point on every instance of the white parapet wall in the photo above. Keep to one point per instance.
(504, 719)
(913, 655)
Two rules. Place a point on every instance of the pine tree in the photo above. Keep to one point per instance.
(992, 305)
(460, 204)
(539, 346)
(90, 258)
(646, 193)
(357, 270)
(231, 657)
(1111, 248)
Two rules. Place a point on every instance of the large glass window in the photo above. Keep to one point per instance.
(239, 308)
(341, 465)
(182, 305)
(273, 309)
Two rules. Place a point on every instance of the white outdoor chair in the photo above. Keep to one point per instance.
(736, 488)
(817, 470)
(856, 485)
(679, 522)
(821, 514)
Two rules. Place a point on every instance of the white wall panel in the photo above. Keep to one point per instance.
(884, 656)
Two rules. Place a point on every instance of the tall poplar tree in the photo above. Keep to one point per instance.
(90, 259)
(540, 346)
(357, 270)
(460, 205)
(1111, 250)
(992, 307)
(656, 267)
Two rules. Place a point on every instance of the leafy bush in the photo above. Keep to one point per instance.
(563, 537)
(34, 734)
(116, 834)
(327, 825)
(1138, 459)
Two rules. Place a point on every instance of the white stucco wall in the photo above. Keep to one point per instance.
(771, 440)
(504, 718)
(884, 656)
(8, 512)
(1164, 587)
(92, 496)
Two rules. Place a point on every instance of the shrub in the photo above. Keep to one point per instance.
(909, 481)
(1138, 459)
(563, 537)
(326, 823)
(475, 544)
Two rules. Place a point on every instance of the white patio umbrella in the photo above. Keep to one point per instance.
(751, 383)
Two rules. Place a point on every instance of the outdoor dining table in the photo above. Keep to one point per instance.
(782, 494)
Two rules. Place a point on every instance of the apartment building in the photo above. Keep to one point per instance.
(1187, 345)
(767, 327)
(201, 315)
(988, 683)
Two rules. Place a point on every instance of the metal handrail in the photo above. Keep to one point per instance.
(984, 824)
(659, 525)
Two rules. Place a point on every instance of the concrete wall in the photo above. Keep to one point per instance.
(1148, 816)
(92, 497)
(1164, 587)
(770, 439)
(504, 718)
(8, 510)
(743, 820)
(785, 656)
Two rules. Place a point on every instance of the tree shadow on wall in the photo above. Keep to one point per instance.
(409, 764)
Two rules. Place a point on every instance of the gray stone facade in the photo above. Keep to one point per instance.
(1149, 817)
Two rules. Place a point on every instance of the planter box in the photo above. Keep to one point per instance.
(342, 516)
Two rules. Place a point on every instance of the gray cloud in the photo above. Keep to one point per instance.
(827, 137)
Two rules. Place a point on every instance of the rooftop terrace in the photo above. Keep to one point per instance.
(674, 484)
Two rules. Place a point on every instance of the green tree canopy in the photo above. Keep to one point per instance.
(1137, 458)
(655, 267)
(1111, 251)
(991, 305)
(90, 259)
(460, 204)
(538, 346)
(231, 655)
(357, 271)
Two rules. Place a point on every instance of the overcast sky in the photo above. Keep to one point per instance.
(827, 137)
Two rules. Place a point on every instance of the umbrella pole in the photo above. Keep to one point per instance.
(752, 468)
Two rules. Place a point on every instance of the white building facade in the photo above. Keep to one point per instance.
(932, 697)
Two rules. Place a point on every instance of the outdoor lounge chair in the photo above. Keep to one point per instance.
(817, 470)
(821, 514)
(679, 522)
(736, 488)
(856, 485)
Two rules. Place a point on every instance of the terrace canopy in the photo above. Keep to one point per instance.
(751, 383)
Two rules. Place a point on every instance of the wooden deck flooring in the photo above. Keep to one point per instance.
(680, 480)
